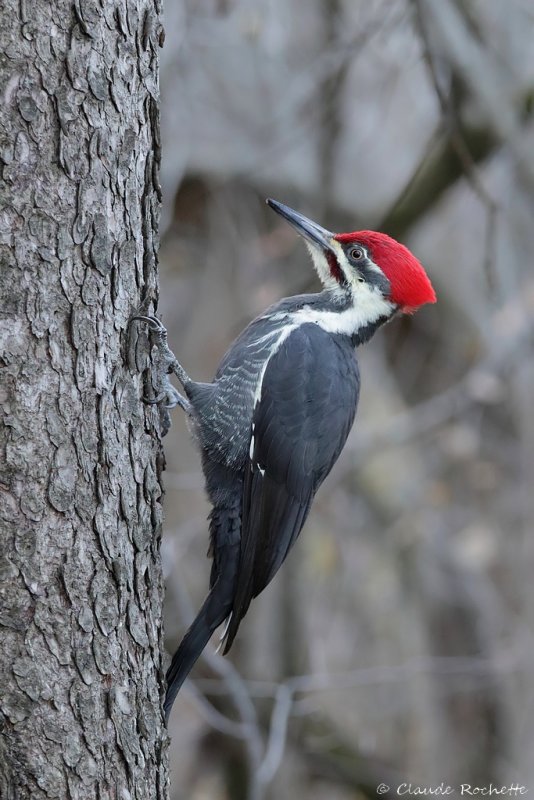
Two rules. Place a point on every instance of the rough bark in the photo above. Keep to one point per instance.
(80, 495)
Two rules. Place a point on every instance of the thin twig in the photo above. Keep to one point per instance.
(277, 734)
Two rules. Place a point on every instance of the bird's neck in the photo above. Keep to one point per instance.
(354, 315)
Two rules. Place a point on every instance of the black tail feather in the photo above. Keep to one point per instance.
(192, 645)
(225, 529)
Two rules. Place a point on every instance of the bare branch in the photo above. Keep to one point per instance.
(457, 139)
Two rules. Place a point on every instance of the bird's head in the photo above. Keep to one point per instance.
(376, 270)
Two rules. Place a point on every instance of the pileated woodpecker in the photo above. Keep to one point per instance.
(278, 412)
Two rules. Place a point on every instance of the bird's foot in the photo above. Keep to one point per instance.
(167, 363)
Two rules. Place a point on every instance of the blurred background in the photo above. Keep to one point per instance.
(396, 644)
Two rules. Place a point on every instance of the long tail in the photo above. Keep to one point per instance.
(225, 533)
(213, 612)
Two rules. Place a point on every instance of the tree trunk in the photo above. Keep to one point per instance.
(80, 496)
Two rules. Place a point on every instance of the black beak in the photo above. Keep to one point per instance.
(308, 229)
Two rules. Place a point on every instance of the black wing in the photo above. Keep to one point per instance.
(306, 409)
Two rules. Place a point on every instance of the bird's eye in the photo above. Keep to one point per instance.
(356, 253)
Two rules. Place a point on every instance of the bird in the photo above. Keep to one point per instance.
(275, 418)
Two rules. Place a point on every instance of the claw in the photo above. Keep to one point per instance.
(173, 397)
(166, 363)
(153, 322)
(153, 401)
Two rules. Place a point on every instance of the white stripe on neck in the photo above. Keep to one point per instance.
(368, 307)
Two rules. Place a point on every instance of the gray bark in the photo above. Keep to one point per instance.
(80, 495)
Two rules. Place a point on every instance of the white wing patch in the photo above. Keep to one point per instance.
(224, 632)
(282, 336)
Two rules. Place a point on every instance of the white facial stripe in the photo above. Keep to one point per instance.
(369, 306)
(321, 266)
(346, 268)
(350, 272)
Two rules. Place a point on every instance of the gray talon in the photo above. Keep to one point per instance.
(165, 364)
(153, 401)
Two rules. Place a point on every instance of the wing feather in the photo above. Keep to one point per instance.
(306, 408)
